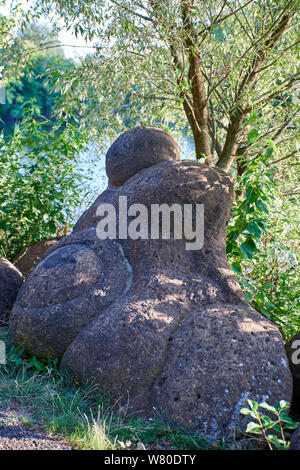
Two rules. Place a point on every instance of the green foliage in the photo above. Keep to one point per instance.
(141, 55)
(271, 427)
(14, 50)
(39, 182)
(33, 79)
(15, 356)
(32, 84)
(250, 210)
(263, 242)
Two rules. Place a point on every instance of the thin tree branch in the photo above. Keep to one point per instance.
(249, 80)
(295, 152)
(197, 85)
(209, 28)
(132, 12)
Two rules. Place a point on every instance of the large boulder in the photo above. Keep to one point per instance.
(164, 327)
(292, 348)
(30, 255)
(10, 282)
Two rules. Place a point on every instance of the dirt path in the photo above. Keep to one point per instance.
(15, 435)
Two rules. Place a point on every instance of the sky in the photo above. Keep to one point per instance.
(68, 39)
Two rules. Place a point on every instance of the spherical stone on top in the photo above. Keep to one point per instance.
(136, 149)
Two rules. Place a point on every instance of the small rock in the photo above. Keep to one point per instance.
(10, 282)
(30, 255)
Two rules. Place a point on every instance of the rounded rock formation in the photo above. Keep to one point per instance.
(157, 322)
(10, 282)
(136, 149)
(72, 284)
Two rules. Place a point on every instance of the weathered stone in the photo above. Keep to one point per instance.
(295, 441)
(138, 148)
(72, 284)
(176, 335)
(30, 255)
(292, 348)
(10, 282)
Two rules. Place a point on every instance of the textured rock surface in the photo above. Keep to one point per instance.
(10, 282)
(29, 256)
(165, 327)
(139, 148)
(72, 284)
(292, 348)
(295, 441)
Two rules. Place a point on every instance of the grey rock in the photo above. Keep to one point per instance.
(72, 284)
(295, 441)
(10, 282)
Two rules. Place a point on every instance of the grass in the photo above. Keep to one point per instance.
(81, 414)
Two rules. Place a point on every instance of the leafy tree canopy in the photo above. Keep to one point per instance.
(228, 68)
(32, 84)
(41, 176)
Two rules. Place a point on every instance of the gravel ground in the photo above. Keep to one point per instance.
(15, 435)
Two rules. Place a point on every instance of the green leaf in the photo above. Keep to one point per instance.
(253, 404)
(237, 267)
(254, 229)
(267, 407)
(248, 248)
(248, 296)
(283, 404)
(268, 285)
(253, 428)
(253, 136)
(245, 411)
(272, 144)
(261, 205)
(278, 443)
